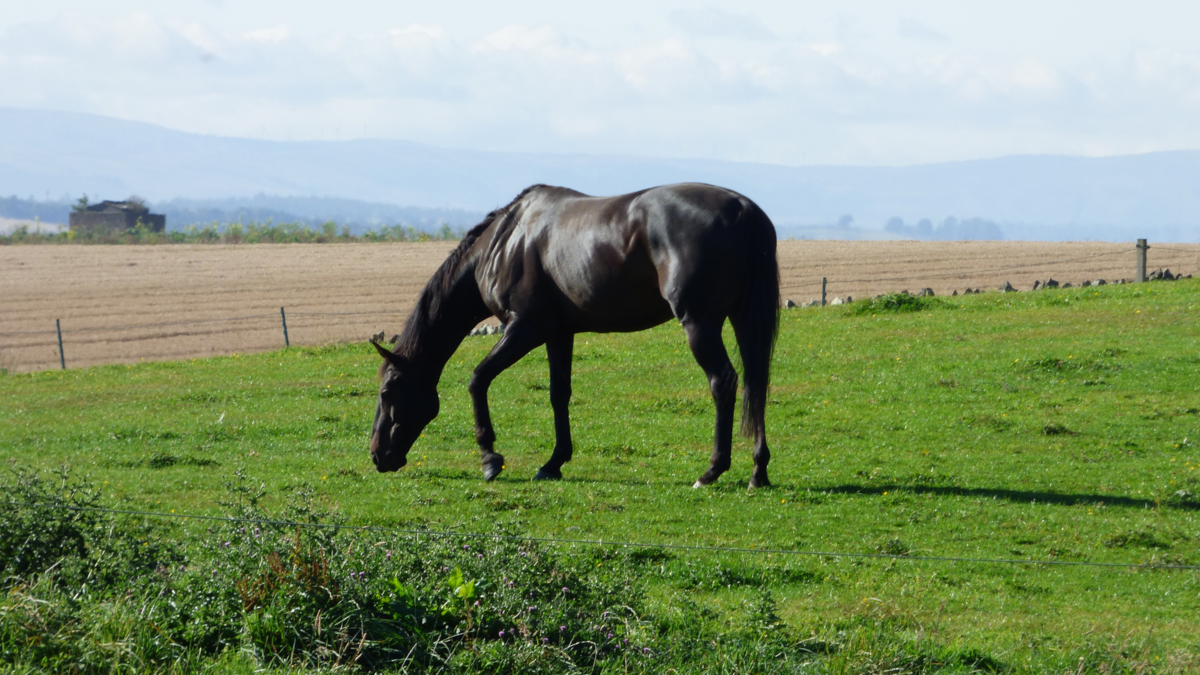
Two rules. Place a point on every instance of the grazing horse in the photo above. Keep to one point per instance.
(556, 262)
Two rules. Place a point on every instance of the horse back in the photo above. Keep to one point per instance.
(622, 263)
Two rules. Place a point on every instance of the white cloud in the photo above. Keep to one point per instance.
(704, 82)
(714, 22)
(271, 35)
(915, 29)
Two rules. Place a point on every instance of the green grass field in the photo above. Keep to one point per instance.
(1054, 426)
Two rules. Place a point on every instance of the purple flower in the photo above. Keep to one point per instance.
(501, 633)
(645, 650)
(466, 547)
(226, 544)
(522, 554)
(533, 609)
(564, 589)
(561, 628)
(476, 603)
(389, 555)
(545, 640)
(610, 636)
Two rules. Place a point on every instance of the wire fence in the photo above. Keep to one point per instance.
(951, 275)
(27, 339)
(601, 542)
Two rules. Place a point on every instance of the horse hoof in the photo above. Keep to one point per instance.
(543, 474)
(492, 467)
(760, 483)
(697, 485)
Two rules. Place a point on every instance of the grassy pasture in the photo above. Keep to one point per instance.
(1060, 425)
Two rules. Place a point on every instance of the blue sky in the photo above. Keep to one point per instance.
(857, 82)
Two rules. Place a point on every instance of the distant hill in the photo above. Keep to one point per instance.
(46, 155)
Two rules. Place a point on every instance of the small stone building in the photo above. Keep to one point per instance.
(116, 217)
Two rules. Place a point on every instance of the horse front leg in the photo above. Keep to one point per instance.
(517, 341)
(709, 351)
(558, 352)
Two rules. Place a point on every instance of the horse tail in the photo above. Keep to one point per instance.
(756, 323)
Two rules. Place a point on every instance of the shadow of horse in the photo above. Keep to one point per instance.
(1016, 496)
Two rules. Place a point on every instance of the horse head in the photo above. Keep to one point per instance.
(407, 402)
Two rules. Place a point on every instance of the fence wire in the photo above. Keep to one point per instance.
(946, 275)
(601, 542)
(795, 286)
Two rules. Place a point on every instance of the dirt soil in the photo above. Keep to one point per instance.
(122, 304)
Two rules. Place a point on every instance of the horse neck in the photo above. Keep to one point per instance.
(432, 338)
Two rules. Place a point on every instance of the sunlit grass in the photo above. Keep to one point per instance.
(1060, 425)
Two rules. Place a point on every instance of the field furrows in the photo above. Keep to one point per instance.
(122, 304)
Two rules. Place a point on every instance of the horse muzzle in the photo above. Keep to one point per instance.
(384, 452)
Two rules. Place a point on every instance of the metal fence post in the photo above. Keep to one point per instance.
(62, 359)
(823, 280)
(1141, 260)
(286, 343)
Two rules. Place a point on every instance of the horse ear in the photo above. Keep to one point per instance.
(391, 357)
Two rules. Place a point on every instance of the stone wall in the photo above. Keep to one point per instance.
(115, 221)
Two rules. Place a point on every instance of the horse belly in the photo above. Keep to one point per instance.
(613, 291)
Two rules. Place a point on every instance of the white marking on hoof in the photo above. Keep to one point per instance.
(697, 484)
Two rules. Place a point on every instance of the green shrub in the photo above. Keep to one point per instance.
(892, 302)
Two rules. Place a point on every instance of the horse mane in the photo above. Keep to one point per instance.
(429, 304)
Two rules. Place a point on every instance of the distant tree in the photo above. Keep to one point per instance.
(137, 204)
(895, 225)
(845, 220)
(80, 204)
(925, 227)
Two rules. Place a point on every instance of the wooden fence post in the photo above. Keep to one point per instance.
(286, 343)
(823, 280)
(62, 359)
(1141, 260)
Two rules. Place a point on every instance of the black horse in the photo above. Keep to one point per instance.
(556, 262)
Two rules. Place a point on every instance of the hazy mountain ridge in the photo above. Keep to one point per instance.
(1154, 195)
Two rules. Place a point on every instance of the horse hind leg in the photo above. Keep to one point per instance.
(704, 338)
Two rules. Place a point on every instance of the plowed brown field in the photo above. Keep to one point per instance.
(121, 304)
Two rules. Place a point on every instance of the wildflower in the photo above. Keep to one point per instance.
(561, 628)
(545, 640)
(564, 589)
(501, 633)
(645, 650)
(466, 547)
